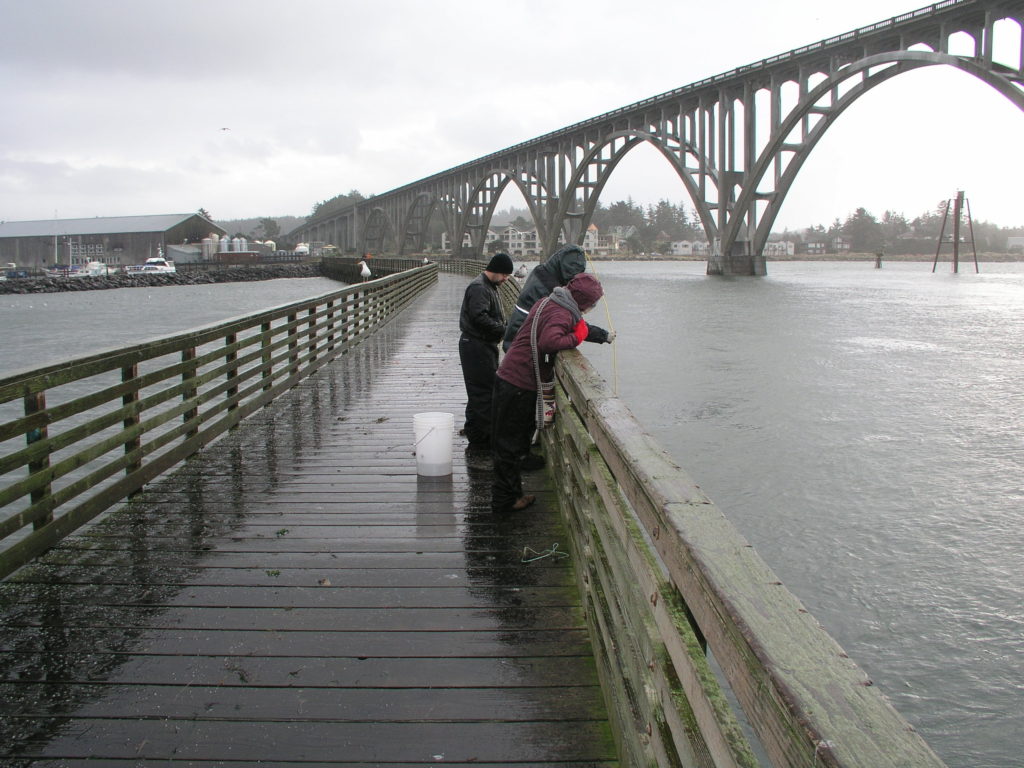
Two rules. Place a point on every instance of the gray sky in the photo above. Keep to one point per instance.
(116, 107)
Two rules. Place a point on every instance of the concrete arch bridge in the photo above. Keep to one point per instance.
(737, 140)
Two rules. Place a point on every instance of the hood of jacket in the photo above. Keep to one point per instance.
(586, 291)
(567, 262)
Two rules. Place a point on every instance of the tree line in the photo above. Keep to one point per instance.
(894, 233)
(657, 225)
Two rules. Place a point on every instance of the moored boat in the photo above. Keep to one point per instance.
(155, 264)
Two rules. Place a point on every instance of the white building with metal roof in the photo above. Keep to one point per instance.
(113, 240)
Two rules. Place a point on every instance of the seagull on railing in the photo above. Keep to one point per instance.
(364, 271)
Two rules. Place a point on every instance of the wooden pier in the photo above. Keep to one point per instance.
(295, 594)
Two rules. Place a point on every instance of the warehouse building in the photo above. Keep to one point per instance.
(116, 241)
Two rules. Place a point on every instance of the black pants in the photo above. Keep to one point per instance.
(479, 362)
(515, 417)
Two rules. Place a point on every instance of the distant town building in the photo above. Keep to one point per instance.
(688, 248)
(840, 244)
(779, 248)
(521, 242)
(467, 242)
(114, 241)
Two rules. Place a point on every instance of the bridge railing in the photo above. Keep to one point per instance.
(666, 578)
(79, 437)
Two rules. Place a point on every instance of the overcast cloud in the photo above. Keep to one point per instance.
(119, 107)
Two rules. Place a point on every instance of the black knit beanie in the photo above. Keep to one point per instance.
(500, 263)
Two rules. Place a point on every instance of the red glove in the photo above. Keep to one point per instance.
(580, 331)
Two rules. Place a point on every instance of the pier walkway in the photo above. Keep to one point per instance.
(296, 595)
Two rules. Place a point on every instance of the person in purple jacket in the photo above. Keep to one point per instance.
(554, 323)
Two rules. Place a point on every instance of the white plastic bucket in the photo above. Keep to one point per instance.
(433, 442)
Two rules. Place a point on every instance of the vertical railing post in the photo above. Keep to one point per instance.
(36, 403)
(268, 368)
(232, 374)
(132, 419)
(293, 345)
(346, 317)
(311, 333)
(357, 313)
(188, 374)
(330, 325)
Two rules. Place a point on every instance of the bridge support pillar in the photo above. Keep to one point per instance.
(739, 262)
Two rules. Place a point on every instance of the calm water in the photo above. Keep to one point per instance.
(45, 327)
(863, 428)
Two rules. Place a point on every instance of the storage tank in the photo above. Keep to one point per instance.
(224, 245)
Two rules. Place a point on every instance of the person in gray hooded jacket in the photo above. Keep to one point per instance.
(561, 267)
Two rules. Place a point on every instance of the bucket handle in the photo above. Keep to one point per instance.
(425, 436)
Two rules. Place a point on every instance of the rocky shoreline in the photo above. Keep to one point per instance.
(190, 277)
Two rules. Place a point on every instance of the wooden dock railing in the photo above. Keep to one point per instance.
(665, 577)
(79, 437)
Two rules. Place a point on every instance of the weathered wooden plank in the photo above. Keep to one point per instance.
(328, 595)
(248, 701)
(141, 763)
(369, 644)
(514, 616)
(499, 577)
(380, 742)
(63, 673)
(136, 762)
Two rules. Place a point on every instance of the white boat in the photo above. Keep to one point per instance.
(96, 269)
(156, 264)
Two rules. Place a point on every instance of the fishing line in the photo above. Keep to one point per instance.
(552, 551)
(611, 329)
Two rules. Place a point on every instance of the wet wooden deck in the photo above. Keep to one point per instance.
(297, 596)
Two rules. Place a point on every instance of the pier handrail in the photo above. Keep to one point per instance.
(82, 435)
(664, 577)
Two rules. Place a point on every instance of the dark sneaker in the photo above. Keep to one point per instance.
(523, 502)
(533, 461)
(517, 506)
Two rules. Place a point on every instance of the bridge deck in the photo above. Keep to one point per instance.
(297, 595)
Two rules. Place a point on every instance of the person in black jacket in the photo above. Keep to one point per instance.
(482, 324)
(561, 267)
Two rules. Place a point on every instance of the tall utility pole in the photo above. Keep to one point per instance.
(958, 204)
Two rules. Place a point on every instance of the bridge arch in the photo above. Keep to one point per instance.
(887, 65)
(414, 223)
(483, 200)
(379, 229)
(603, 158)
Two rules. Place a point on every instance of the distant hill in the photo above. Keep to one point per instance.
(250, 228)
